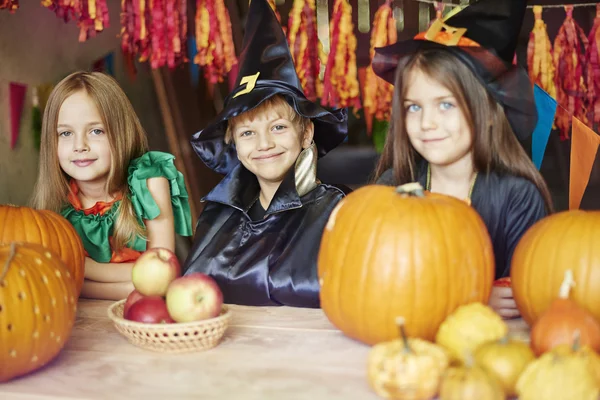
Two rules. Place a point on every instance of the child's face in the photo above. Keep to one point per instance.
(83, 147)
(269, 145)
(436, 126)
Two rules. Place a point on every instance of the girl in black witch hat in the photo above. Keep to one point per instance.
(260, 231)
(459, 110)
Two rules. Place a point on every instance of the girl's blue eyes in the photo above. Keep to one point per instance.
(444, 106)
(95, 132)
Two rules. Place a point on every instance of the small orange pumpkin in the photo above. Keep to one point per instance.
(558, 324)
(51, 230)
(561, 241)
(38, 300)
(401, 251)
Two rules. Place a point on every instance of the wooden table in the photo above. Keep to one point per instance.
(267, 353)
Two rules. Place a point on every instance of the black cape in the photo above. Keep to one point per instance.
(268, 262)
(508, 205)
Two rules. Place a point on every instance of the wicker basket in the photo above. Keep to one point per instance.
(171, 338)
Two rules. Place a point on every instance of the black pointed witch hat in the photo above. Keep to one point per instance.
(484, 36)
(266, 69)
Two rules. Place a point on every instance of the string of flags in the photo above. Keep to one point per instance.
(584, 144)
(17, 93)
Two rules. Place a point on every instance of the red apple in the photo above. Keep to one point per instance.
(154, 270)
(131, 300)
(194, 297)
(150, 310)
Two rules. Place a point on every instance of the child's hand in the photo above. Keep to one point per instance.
(503, 303)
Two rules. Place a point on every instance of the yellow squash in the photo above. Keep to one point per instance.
(584, 352)
(406, 369)
(469, 327)
(558, 376)
(505, 360)
(470, 382)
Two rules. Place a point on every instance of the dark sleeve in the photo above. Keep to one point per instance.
(526, 206)
(387, 178)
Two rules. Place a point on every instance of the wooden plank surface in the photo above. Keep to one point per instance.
(266, 353)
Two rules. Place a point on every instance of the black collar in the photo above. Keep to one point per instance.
(240, 189)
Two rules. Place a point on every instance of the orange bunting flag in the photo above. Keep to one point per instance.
(305, 47)
(584, 146)
(592, 59)
(570, 47)
(539, 55)
(377, 97)
(214, 41)
(340, 86)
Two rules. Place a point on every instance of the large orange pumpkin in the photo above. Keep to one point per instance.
(51, 230)
(388, 251)
(562, 241)
(38, 299)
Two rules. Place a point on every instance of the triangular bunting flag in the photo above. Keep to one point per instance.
(104, 64)
(546, 108)
(17, 98)
(584, 146)
(109, 63)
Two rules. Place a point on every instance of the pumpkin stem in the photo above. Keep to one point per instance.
(412, 189)
(567, 284)
(400, 323)
(11, 255)
(469, 359)
(576, 340)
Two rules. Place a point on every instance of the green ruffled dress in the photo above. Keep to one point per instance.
(96, 228)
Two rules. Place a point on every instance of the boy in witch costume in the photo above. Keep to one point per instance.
(260, 231)
(460, 108)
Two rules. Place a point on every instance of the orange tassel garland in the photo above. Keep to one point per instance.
(216, 51)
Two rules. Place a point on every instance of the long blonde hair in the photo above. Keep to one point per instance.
(127, 141)
(495, 146)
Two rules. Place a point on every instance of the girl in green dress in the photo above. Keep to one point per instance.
(95, 169)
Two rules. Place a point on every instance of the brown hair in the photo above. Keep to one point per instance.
(276, 103)
(495, 146)
(127, 141)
